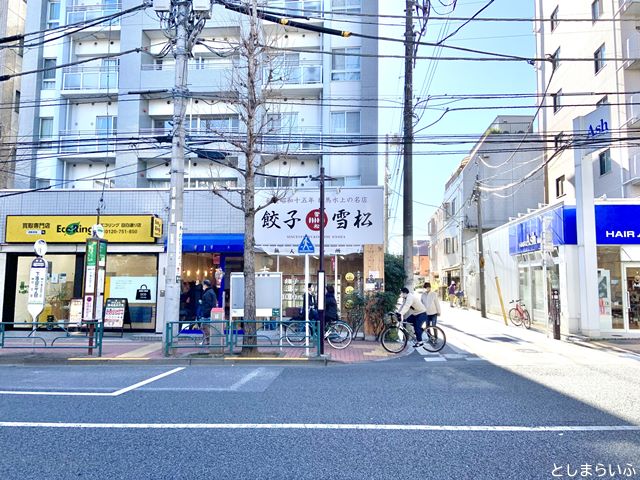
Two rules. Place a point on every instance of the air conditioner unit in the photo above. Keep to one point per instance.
(162, 5)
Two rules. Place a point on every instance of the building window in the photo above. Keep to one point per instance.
(555, 60)
(346, 6)
(53, 14)
(605, 162)
(554, 19)
(447, 245)
(556, 100)
(345, 122)
(345, 64)
(16, 104)
(560, 186)
(106, 125)
(598, 59)
(558, 140)
(49, 74)
(45, 132)
(603, 101)
(596, 10)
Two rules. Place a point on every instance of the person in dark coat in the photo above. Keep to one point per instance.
(195, 297)
(331, 305)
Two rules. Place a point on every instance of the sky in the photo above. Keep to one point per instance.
(431, 172)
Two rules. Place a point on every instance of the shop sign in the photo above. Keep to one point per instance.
(114, 312)
(527, 235)
(353, 217)
(76, 228)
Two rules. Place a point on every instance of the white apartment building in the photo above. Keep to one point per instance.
(104, 121)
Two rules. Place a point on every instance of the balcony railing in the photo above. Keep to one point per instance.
(633, 175)
(297, 7)
(87, 141)
(631, 7)
(87, 13)
(217, 134)
(632, 51)
(292, 140)
(89, 78)
(633, 110)
(293, 74)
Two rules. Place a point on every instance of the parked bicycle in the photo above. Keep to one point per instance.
(519, 315)
(337, 334)
(395, 336)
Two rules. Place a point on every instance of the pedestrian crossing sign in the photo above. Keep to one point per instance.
(306, 246)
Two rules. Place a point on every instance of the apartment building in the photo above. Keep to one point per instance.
(507, 158)
(12, 17)
(103, 120)
(593, 47)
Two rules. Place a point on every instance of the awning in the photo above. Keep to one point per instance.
(213, 242)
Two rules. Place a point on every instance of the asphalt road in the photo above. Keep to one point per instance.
(496, 405)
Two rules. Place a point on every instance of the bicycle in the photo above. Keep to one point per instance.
(197, 332)
(519, 315)
(338, 334)
(395, 336)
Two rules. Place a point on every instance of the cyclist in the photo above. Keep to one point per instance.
(413, 306)
(330, 305)
(431, 304)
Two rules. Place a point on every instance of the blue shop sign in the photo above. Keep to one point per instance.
(617, 224)
(526, 236)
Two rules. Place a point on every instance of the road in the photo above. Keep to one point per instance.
(497, 403)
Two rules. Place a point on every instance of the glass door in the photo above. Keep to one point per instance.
(632, 277)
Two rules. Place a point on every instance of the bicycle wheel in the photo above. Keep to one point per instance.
(526, 318)
(339, 335)
(394, 339)
(295, 333)
(515, 318)
(434, 339)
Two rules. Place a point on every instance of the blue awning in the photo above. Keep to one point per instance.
(213, 242)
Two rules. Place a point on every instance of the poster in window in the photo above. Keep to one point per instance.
(604, 298)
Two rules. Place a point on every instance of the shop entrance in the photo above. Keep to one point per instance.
(632, 300)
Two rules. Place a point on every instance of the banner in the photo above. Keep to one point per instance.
(353, 217)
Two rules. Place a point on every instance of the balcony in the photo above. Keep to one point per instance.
(88, 81)
(629, 7)
(299, 78)
(632, 176)
(633, 111)
(297, 140)
(79, 13)
(208, 76)
(632, 52)
(292, 8)
(87, 141)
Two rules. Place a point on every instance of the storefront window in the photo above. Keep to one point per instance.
(524, 287)
(127, 277)
(539, 314)
(59, 289)
(610, 288)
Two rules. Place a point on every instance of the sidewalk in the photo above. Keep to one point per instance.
(623, 345)
(148, 348)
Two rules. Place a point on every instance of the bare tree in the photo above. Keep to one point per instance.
(254, 102)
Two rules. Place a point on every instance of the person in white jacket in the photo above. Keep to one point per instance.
(416, 313)
(431, 304)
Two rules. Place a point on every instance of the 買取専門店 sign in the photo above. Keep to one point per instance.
(76, 228)
(353, 217)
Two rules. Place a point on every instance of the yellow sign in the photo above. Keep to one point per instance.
(76, 228)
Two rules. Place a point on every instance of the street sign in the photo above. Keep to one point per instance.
(40, 247)
(306, 246)
(97, 231)
(37, 284)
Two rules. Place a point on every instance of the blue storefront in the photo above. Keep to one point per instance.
(547, 243)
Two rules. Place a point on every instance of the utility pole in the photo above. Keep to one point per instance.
(483, 306)
(407, 191)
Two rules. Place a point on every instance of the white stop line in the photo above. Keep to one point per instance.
(328, 426)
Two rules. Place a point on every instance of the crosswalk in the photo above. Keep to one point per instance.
(448, 354)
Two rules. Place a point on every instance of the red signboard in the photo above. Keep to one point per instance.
(313, 220)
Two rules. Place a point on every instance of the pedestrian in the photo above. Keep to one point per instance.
(452, 293)
(209, 302)
(413, 310)
(313, 305)
(195, 297)
(184, 301)
(331, 305)
(431, 304)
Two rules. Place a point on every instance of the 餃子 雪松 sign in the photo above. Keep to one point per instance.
(353, 217)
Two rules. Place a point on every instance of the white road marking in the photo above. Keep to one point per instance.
(435, 359)
(247, 378)
(328, 426)
(94, 394)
